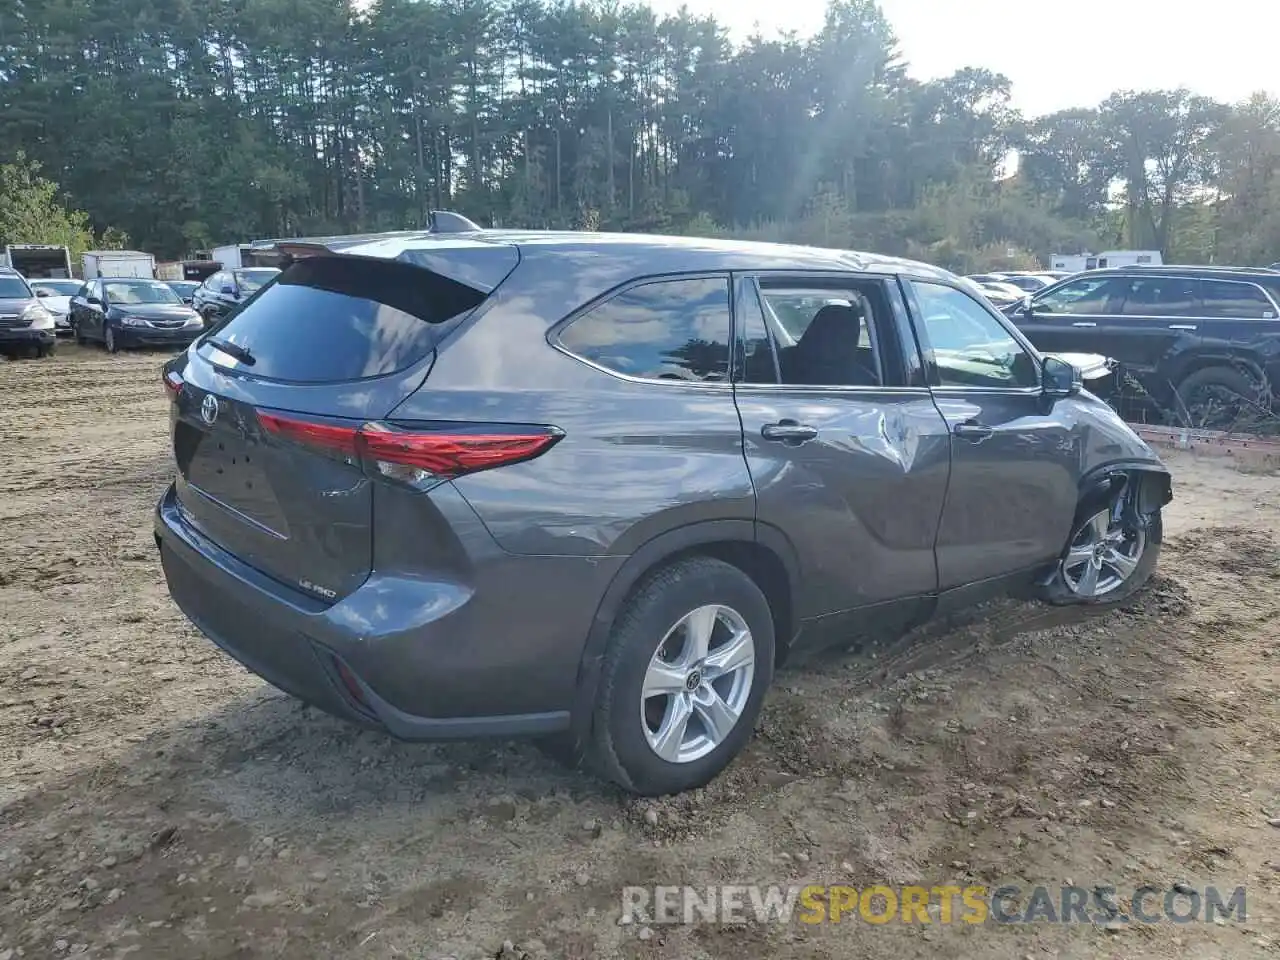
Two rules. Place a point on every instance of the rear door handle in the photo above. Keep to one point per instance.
(1182, 326)
(788, 431)
(1084, 323)
(972, 430)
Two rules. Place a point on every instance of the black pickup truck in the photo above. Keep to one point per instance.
(1203, 342)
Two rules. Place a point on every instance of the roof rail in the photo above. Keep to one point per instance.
(446, 221)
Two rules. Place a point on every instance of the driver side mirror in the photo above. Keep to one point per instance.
(228, 289)
(1025, 306)
(1059, 378)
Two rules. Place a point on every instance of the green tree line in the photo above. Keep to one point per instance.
(194, 122)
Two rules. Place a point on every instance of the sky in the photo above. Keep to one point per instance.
(1058, 55)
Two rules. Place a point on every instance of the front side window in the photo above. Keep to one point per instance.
(970, 347)
(1088, 295)
(661, 330)
(1236, 300)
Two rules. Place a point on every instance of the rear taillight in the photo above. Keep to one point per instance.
(335, 438)
(419, 455)
(172, 383)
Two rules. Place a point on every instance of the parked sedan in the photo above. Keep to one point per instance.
(440, 491)
(225, 290)
(131, 312)
(55, 296)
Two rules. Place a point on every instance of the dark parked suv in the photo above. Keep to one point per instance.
(597, 487)
(1209, 335)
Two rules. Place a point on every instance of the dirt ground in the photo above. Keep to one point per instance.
(158, 801)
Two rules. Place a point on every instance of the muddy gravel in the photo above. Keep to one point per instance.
(158, 801)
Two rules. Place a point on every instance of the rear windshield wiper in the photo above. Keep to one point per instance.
(232, 350)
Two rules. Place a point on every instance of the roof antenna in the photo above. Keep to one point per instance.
(445, 221)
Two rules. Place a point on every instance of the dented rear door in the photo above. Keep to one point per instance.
(856, 476)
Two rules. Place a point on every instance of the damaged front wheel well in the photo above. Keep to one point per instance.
(1144, 489)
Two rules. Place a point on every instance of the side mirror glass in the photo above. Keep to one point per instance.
(228, 289)
(1058, 378)
(1025, 306)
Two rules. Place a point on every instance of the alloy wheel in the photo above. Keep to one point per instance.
(1102, 556)
(697, 683)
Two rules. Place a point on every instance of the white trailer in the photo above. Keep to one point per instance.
(1075, 262)
(118, 263)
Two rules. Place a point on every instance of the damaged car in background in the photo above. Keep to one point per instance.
(596, 488)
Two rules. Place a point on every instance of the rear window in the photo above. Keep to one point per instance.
(328, 319)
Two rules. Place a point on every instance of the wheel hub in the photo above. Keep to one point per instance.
(1103, 554)
(698, 683)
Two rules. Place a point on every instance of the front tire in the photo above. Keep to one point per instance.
(689, 660)
(1107, 559)
(109, 340)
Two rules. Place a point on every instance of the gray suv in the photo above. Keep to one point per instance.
(596, 488)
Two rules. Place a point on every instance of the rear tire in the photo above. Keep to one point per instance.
(1122, 557)
(1219, 396)
(698, 636)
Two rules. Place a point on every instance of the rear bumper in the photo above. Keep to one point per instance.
(436, 676)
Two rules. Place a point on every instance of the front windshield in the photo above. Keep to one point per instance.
(13, 288)
(140, 291)
(59, 288)
(253, 280)
(183, 286)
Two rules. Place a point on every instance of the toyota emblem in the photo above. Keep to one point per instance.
(209, 409)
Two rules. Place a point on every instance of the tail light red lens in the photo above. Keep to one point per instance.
(339, 439)
(417, 455)
(172, 383)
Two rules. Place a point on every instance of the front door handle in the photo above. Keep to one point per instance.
(788, 431)
(972, 430)
(1084, 323)
(1182, 326)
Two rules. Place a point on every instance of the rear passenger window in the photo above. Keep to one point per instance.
(1161, 297)
(825, 336)
(664, 330)
(1241, 300)
(330, 319)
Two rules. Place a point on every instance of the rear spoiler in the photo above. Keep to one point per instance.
(438, 222)
(463, 254)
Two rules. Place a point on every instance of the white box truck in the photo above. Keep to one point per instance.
(39, 261)
(118, 263)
